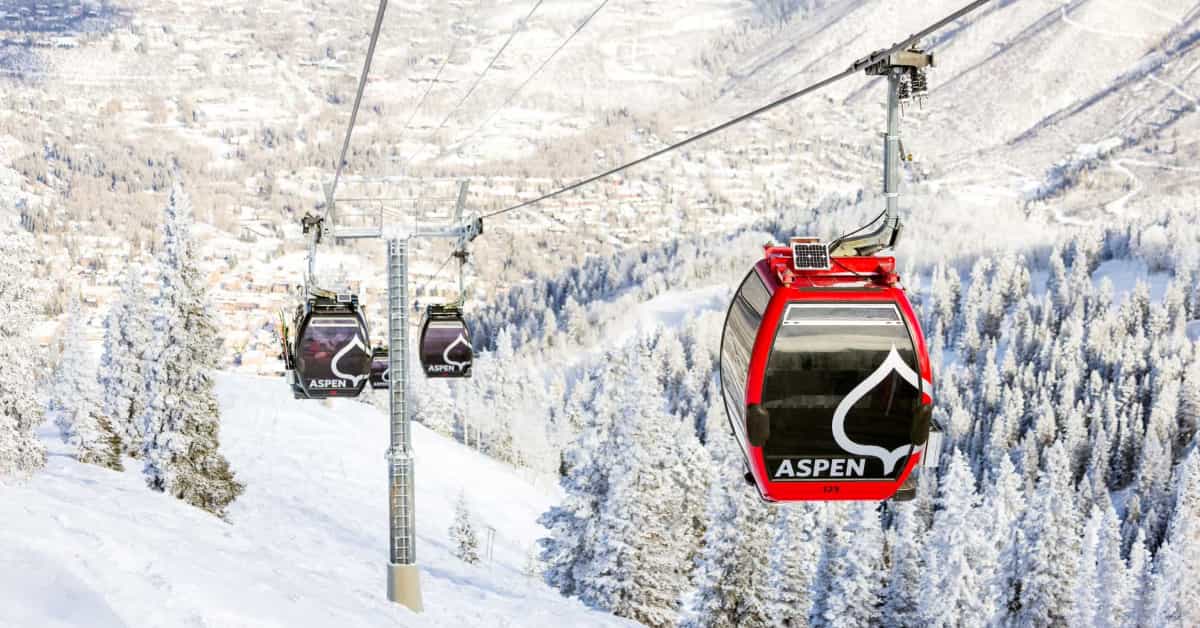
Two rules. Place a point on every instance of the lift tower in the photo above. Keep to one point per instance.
(403, 577)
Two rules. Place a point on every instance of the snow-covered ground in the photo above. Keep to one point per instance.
(1046, 118)
(306, 544)
(1126, 273)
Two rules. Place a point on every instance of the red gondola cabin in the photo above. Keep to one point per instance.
(826, 378)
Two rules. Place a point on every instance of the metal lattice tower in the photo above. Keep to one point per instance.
(403, 577)
(366, 221)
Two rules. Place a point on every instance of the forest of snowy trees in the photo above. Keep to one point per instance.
(20, 450)
(1066, 493)
(150, 398)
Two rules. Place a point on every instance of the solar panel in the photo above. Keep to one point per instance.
(809, 254)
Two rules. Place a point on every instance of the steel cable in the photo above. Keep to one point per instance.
(531, 76)
(362, 85)
(478, 80)
(853, 69)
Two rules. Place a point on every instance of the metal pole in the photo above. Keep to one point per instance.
(462, 240)
(884, 235)
(891, 149)
(404, 585)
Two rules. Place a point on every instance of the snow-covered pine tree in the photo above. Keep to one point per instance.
(1085, 597)
(852, 566)
(730, 578)
(693, 473)
(568, 548)
(1117, 582)
(645, 530)
(1153, 482)
(62, 396)
(463, 540)
(123, 365)
(792, 564)
(21, 452)
(504, 396)
(1189, 400)
(533, 565)
(959, 587)
(1004, 505)
(902, 596)
(832, 528)
(182, 456)
(1175, 600)
(433, 404)
(74, 402)
(1051, 529)
(1141, 575)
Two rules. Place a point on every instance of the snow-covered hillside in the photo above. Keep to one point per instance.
(306, 544)
(1051, 249)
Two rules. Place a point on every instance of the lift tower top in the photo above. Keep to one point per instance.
(905, 72)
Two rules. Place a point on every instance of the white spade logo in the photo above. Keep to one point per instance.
(893, 362)
(337, 357)
(446, 354)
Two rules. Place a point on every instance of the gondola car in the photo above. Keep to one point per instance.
(445, 343)
(825, 375)
(330, 356)
(380, 368)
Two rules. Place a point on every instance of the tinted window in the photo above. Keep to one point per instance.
(741, 327)
(822, 353)
(329, 358)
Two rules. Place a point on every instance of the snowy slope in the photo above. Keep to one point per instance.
(307, 542)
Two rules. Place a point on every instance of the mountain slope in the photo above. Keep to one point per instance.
(306, 544)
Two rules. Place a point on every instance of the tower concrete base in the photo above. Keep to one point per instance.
(404, 586)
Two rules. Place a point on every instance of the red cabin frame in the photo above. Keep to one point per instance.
(849, 280)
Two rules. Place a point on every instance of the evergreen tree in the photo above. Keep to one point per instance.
(463, 540)
(1189, 400)
(1004, 504)
(792, 565)
(959, 588)
(433, 404)
(639, 569)
(533, 565)
(1051, 530)
(123, 365)
(1117, 581)
(1141, 575)
(1085, 599)
(1153, 482)
(21, 452)
(730, 573)
(1176, 594)
(504, 395)
(183, 419)
(569, 547)
(902, 596)
(67, 378)
(74, 401)
(851, 564)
